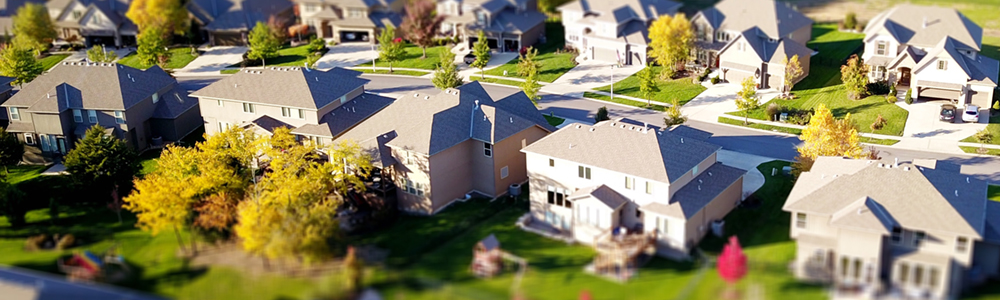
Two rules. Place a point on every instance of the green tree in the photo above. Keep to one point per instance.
(98, 54)
(11, 149)
(100, 163)
(855, 77)
(390, 48)
(312, 58)
(746, 98)
(602, 114)
(19, 63)
(527, 64)
(673, 115)
(167, 16)
(33, 27)
(263, 43)
(647, 84)
(530, 86)
(482, 52)
(152, 47)
(850, 20)
(446, 76)
(671, 40)
(13, 204)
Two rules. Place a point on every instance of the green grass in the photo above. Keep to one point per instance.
(179, 57)
(21, 173)
(411, 58)
(993, 192)
(796, 131)
(975, 150)
(148, 161)
(497, 81)
(681, 89)
(628, 102)
(884, 142)
(50, 61)
(229, 71)
(395, 72)
(553, 65)
(993, 127)
(554, 121)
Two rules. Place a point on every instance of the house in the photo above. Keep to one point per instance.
(508, 25)
(350, 20)
(96, 22)
(752, 38)
(594, 182)
(444, 147)
(920, 230)
(933, 50)
(144, 108)
(228, 22)
(613, 31)
(316, 105)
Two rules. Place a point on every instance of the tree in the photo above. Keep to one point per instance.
(446, 75)
(390, 48)
(102, 162)
(526, 64)
(13, 204)
(602, 114)
(482, 52)
(827, 136)
(350, 164)
(671, 40)
(732, 263)
(793, 69)
(19, 63)
(152, 47)
(311, 59)
(263, 43)
(421, 23)
(166, 16)
(530, 86)
(11, 149)
(673, 115)
(984, 137)
(33, 28)
(850, 20)
(647, 84)
(855, 77)
(746, 98)
(354, 268)
(98, 54)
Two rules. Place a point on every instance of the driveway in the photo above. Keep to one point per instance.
(589, 75)
(346, 55)
(926, 131)
(212, 61)
(753, 180)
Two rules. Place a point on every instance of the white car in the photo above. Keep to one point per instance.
(971, 114)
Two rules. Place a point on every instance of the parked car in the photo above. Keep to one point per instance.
(470, 58)
(948, 113)
(971, 114)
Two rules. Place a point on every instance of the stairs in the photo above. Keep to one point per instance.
(901, 92)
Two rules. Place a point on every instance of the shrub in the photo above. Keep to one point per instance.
(892, 90)
(909, 96)
(773, 110)
(704, 75)
(879, 123)
(878, 88)
(850, 20)
(316, 45)
(667, 74)
(34, 243)
(860, 27)
(66, 242)
(715, 79)
(890, 99)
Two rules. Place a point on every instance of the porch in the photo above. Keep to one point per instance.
(620, 253)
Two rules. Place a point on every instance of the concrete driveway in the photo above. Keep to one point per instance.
(346, 55)
(923, 122)
(589, 75)
(213, 60)
(753, 180)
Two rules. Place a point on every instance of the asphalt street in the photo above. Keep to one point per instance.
(756, 142)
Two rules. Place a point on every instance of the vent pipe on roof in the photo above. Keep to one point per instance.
(682, 140)
(925, 22)
(956, 193)
(896, 162)
(967, 180)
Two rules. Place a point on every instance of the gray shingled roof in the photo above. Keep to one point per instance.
(285, 86)
(865, 214)
(982, 69)
(626, 148)
(767, 51)
(695, 195)
(774, 18)
(90, 86)
(5, 83)
(602, 194)
(905, 23)
(236, 15)
(620, 11)
(346, 116)
(269, 124)
(172, 104)
(920, 198)
(992, 222)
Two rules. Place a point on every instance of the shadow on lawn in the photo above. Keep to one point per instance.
(102, 224)
(762, 225)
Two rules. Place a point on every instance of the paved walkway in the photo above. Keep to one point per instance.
(212, 61)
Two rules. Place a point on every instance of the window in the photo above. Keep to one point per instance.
(932, 277)
(29, 139)
(857, 268)
(119, 117)
(918, 238)
(223, 126)
(962, 244)
(310, 7)
(92, 115)
(220, 102)
(552, 162)
(302, 114)
(638, 214)
(880, 50)
(77, 14)
(694, 171)
(558, 197)
(629, 183)
(584, 172)
(649, 187)
(488, 149)
(248, 107)
(897, 235)
(845, 263)
(14, 113)
(503, 172)
(156, 97)
(918, 275)
(942, 65)
(661, 225)
(904, 272)
(800, 220)
(77, 116)
(414, 188)
(286, 112)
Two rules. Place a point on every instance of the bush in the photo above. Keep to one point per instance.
(773, 110)
(909, 96)
(879, 123)
(35, 243)
(704, 75)
(859, 28)
(715, 79)
(316, 45)
(66, 242)
(892, 90)
(879, 88)
(890, 99)
(850, 20)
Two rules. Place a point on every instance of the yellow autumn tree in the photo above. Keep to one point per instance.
(170, 16)
(828, 136)
(350, 165)
(162, 200)
(671, 40)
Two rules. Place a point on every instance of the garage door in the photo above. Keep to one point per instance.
(491, 42)
(736, 76)
(981, 98)
(939, 93)
(228, 39)
(602, 54)
(353, 36)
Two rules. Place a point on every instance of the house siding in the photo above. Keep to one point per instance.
(507, 153)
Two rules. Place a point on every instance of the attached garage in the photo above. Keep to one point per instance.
(354, 36)
(227, 38)
(492, 42)
(602, 54)
(982, 98)
(939, 93)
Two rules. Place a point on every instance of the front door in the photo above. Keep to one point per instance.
(904, 76)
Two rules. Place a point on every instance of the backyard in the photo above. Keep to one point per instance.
(179, 57)
(411, 59)
(680, 89)
(554, 63)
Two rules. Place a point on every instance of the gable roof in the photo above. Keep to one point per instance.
(601, 194)
(698, 193)
(912, 196)
(775, 19)
(99, 86)
(343, 118)
(906, 23)
(235, 15)
(981, 69)
(620, 11)
(766, 50)
(629, 149)
(285, 86)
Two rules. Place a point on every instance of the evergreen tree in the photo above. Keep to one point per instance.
(482, 52)
(446, 75)
(100, 162)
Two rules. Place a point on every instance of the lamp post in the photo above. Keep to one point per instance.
(612, 82)
(374, 57)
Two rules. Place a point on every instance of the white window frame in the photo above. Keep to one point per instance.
(286, 112)
(962, 244)
(801, 220)
(881, 47)
(942, 65)
(119, 117)
(629, 183)
(29, 139)
(14, 113)
(77, 116)
(248, 108)
(92, 116)
(302, 114)
(220, 102)
(583, 172)
(504, 172)
(649, 187)
(552, 162)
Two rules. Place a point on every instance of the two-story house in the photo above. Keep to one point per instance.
(228, 22)
(509, 25)
(441, 148)
(316, 105)
(350, 20)
(918, 230)
(613, 31)
(96, 22)
(587, 181)
(752, 38)
(933, 50)
(143, 107)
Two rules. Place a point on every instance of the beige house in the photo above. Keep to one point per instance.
(350, 20)
(143, 107)
(613, 31)
(316, 105)
(228, 22)
(508, 25)
(94, 22)
(933, 50)
(752, 38)
(918, 230)
(439, 148)
(588, 181)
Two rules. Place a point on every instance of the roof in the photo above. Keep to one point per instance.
(100, 86)
(490, 242)
(299, 87)
(776, 19)
(5, 83)
(620, 11)
(913, 197)
(992, 222)
(864, 215)
(174, 103)
(629, 149)
(981, 69)
(698, 193)
(925, 26)
(429, 124)
(769, 50)
(235, 15)
(601, 194)
(269, 124)
(346, 116)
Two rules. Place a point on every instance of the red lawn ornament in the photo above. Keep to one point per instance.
(732, 263)
(585, 295)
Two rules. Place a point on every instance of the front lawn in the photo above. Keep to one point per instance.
(497, 81)
(50, 61)
(681, 89)
(21, 173)
(411, 59)
(554, 121)
(553, 65)
(993, 127)
(629, 102)
(179, 57)
(394, 72)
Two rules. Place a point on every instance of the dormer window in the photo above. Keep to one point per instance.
(942, 65)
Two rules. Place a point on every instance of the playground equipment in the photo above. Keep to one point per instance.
(87, 266)
(489, 260)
